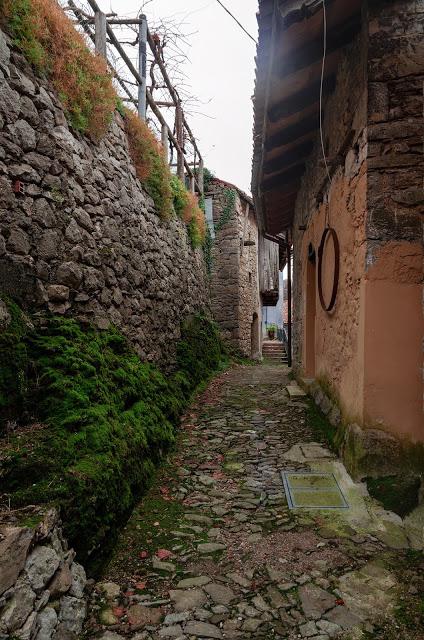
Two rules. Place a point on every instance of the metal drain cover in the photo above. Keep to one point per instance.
(309, 490)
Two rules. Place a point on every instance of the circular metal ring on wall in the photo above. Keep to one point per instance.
(330, 232)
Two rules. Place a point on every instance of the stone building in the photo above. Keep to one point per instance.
(355, 225)
(235, 298)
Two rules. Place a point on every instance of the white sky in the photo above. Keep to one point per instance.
(220, 71)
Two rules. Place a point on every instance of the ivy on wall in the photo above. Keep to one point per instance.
(228, 210)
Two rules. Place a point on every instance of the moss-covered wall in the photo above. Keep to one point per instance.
(85, 421)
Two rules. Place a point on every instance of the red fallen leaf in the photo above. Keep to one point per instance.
(340, 601)
(129, 593)
(140, 585)
(143, 555)
(218, 475)
(118, 611)
(162, 554)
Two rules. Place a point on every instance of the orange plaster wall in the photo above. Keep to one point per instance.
(339, 336)
(393, 385)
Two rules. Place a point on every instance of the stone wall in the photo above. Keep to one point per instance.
(41, 587)
(83, 238)
(234, 279)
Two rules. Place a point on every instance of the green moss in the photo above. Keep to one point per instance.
(319, 423)
(109, 419)
(398, 493)
(31, 521)
(14, 364)
(200, 350)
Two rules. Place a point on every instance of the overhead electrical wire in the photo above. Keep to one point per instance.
(235, 19)
(324, 16)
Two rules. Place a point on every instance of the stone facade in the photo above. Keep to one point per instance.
(83, 237)
(235, 298)
(368, 351)
(41, 587)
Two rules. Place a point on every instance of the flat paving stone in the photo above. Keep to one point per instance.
(186, 583)
(220, 593)
(210, 547)
(185, 600)
(203, 629)
(315, 601)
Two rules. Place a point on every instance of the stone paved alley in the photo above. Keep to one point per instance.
(213, 551)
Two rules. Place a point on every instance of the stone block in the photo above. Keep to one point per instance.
(387, 224)
(334, 417)
(69, 274)
(61, 581)
(18, 242)
(19, 607)
(40, 566)
(58, 293)
(24, 134)
(370, 452)
(46, 622)
(72, 613)
(14, 545)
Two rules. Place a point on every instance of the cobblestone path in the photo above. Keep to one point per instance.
(213, 550)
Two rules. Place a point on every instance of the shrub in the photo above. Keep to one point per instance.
(108, 418)
(150, 164)
(187, 207)
(47, 38)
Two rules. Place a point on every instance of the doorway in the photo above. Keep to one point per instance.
(254, 337)
(310, 312)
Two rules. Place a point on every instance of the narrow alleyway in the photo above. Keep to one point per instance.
(213, 550)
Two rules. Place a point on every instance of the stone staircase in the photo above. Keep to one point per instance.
(275, 351)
